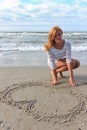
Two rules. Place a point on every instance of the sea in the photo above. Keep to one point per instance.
(27, 48)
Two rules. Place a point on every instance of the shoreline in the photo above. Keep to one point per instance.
(28, 102)
(33, 58)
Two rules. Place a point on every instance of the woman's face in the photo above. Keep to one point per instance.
(58, 36)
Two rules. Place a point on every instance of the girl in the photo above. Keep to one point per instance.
(59, 55)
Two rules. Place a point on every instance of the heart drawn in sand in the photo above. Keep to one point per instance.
(50, 104)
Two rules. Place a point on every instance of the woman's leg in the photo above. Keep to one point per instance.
(61, 65)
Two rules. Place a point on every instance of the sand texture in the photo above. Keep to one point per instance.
(28, 102)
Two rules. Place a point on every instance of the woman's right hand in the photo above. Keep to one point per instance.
(55, 78)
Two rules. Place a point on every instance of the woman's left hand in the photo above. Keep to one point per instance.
(72, 82)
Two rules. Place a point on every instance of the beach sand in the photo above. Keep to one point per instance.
(28, 102)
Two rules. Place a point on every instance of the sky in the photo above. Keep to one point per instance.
(42, 15)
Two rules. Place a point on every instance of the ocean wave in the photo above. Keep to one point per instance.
(24, 48)
(79, 48)
(34, 41)
(19, 34)
(37, 48)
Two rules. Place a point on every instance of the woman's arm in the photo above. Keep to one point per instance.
(52, 65)
(71, 79)
(54, 75)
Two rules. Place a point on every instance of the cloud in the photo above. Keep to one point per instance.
(42, 12)
(8, 4)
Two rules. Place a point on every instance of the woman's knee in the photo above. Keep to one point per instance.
(75, 63)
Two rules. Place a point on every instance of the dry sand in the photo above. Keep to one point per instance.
(27, 102)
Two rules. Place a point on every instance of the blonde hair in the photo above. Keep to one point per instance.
(51, 37)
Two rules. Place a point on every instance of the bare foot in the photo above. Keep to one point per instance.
(61, 76)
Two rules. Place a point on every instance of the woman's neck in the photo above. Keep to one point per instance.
(59, 45)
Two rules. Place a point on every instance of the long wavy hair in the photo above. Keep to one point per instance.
(50, 43)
